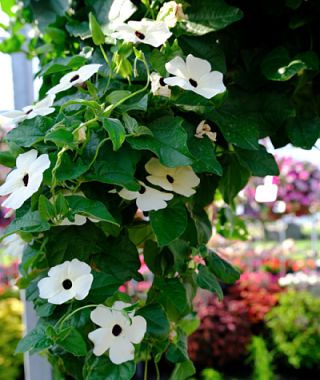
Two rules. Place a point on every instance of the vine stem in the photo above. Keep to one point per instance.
(111, 107)
(56, 167)
(62, 321)
(145, 376)
(157, 370)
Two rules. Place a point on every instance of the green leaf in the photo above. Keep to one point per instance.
(169, 142)
(221, 268)
(36, 340)
(104, 285)
(235, 177)
(171, 294)
(62, 64)
(31, 221)
(91, 208)
(278, 66)
(183, 371)
(157, 321)
(30, 132)
(46, 208)
(115, 131)
(116, 96)
(116, 168)
(204, 19)
(60, 137)
(241, 129)
(101, 368)
(97, 34)
(259, 162)
(304, 132)
(207, 280)
(178, 352)
(205, 157)
(73, 342)
(169, 223)
(7, 159)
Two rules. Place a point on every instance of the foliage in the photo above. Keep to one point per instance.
(261, 359)
(11, 366)
(105, 130)
(295, 330)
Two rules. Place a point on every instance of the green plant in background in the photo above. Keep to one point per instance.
(261, 359)
(295, 329)
(11, 329)
(158, 115)
(211, 374)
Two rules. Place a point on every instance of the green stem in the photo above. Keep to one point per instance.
(105, 56)
(56, 167)
(62, 321)
(97, 151)
(85, 124)
(145, 377)
(157, 370)
(111, 107)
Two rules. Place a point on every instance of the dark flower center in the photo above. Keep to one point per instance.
(76, 77)
(30, 110)
(25, 180)
(142, 190)
(116, 330)
(161, 81)
(193, 82)
(67, 284)
(140, 35)
(170, 179)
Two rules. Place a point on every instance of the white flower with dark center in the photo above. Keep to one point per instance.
(170, 13)
(71, 279)
(154, 33)
(147, 198)
(195, 75)
(25, 180)
(204, 129)
(158, 87)
(120, 11)
(41, 108)
(118, 333)
(75, 78)
(181, 179)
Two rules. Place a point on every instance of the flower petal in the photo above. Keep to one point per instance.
(17, 198)
(86, 72)
(101, 338)
(59, 88)
(121, 351)
(24, 160)
(102, 316)
(78, 268)
(49, 287)
(81, 286)
(197, 67)
(137, 329)
(62, 297)
(41, 164)
(177, 67)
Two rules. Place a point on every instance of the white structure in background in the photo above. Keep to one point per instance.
(267, 192)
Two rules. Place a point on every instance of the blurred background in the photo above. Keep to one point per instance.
(268, 324)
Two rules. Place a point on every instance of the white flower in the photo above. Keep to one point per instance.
(204, 129)
(120, 11)
(13, 245)
(158, 87)
(71, 279)
(25, 180)
(170, 13)
(41, 108)
(195, 75)
(181, 179)
(117, 333)
(147, 198)
(75, 78)
(154, 33)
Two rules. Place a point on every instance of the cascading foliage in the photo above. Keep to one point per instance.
(148, 111)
